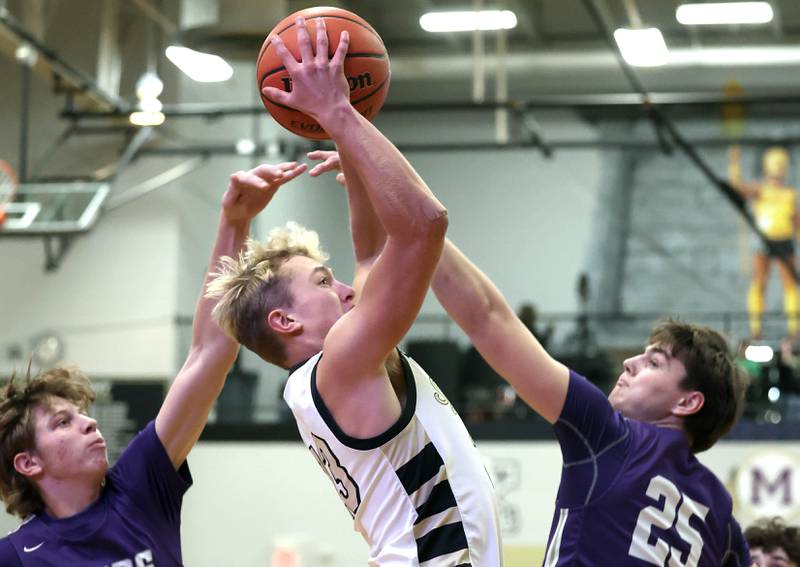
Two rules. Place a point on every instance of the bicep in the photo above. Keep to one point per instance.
(391, 296)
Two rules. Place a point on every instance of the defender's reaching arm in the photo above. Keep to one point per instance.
(185, 410)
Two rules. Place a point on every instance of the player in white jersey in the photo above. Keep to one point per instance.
(398, 454)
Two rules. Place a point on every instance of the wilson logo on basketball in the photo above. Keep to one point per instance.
(358, 82)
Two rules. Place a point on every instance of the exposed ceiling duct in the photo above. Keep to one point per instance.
(233, 29)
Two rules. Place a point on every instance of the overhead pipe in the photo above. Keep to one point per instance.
(76, 77)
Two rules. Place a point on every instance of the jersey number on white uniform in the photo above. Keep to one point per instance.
(675, 504)
(344, 483)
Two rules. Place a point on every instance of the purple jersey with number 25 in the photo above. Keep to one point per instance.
(632, 494)
(134, 523)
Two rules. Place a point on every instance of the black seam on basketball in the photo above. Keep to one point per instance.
(376, 89)
(367, 27)
(360, 55)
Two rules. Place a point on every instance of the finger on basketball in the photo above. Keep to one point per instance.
(322, 41)
(286, 57)
(341, 49)
(277, 95)
(304, 41)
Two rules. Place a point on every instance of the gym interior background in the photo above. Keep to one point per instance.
(600, 212)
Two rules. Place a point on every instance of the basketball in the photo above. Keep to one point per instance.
(366, 66)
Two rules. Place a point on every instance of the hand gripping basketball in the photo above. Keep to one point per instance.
(366, 66)
(318, 83)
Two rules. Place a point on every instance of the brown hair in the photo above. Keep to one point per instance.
(772, 533)
(250, 286)
(710, 369)
(18, 428)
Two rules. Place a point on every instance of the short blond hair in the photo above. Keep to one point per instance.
(18, 400)
(250, 286)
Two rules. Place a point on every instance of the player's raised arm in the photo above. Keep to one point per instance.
(748, 190)
(475, 303)
(185, 410)
(414, 220)
(368, 234)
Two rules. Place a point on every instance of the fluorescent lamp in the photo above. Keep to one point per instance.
(150, 105)
(642, 47)
(149, 86)
(758, 353)
(245, 147)
(468, 21)
(200, 67)
(724, 13)
(736, 56)
(145, 118)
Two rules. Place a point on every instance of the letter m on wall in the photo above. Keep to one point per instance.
(780, 485)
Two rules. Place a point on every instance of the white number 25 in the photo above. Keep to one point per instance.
(657, 552)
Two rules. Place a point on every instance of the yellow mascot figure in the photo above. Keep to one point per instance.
(774, 206)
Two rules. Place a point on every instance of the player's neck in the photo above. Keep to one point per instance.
(302, 348)
(672, 422)
(65, 498)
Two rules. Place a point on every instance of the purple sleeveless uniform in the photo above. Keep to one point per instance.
(134, 523)
(633, 495)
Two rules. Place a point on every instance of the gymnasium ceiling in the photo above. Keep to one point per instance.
(556, 49)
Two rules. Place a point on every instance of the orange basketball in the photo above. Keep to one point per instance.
(366, 66)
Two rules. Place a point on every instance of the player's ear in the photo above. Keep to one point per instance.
(27, 464)
(283, 323)
(689, 403)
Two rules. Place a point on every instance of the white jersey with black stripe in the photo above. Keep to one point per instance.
(419, 493)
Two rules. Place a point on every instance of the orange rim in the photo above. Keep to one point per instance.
(8, 187)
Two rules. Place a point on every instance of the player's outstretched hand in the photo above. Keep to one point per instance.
(250, 191)
(318, 82)
(329, 162)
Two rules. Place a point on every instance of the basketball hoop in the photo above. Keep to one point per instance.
(8, 188)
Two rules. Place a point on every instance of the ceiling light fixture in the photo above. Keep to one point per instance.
(485, 20)
(642, 47)
(148, 109)
(724, 13)
(758, 353)
(146, 118)
(199, 66)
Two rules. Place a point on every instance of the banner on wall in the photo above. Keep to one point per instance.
(766, 484)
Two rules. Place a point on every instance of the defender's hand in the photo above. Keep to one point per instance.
(330, 162)
(250, 191)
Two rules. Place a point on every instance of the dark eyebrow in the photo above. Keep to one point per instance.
(662, 351)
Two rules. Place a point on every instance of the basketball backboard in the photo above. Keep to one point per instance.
(63, 208)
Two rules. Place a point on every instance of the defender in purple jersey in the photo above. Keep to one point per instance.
(53, 464)
(632, 492)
